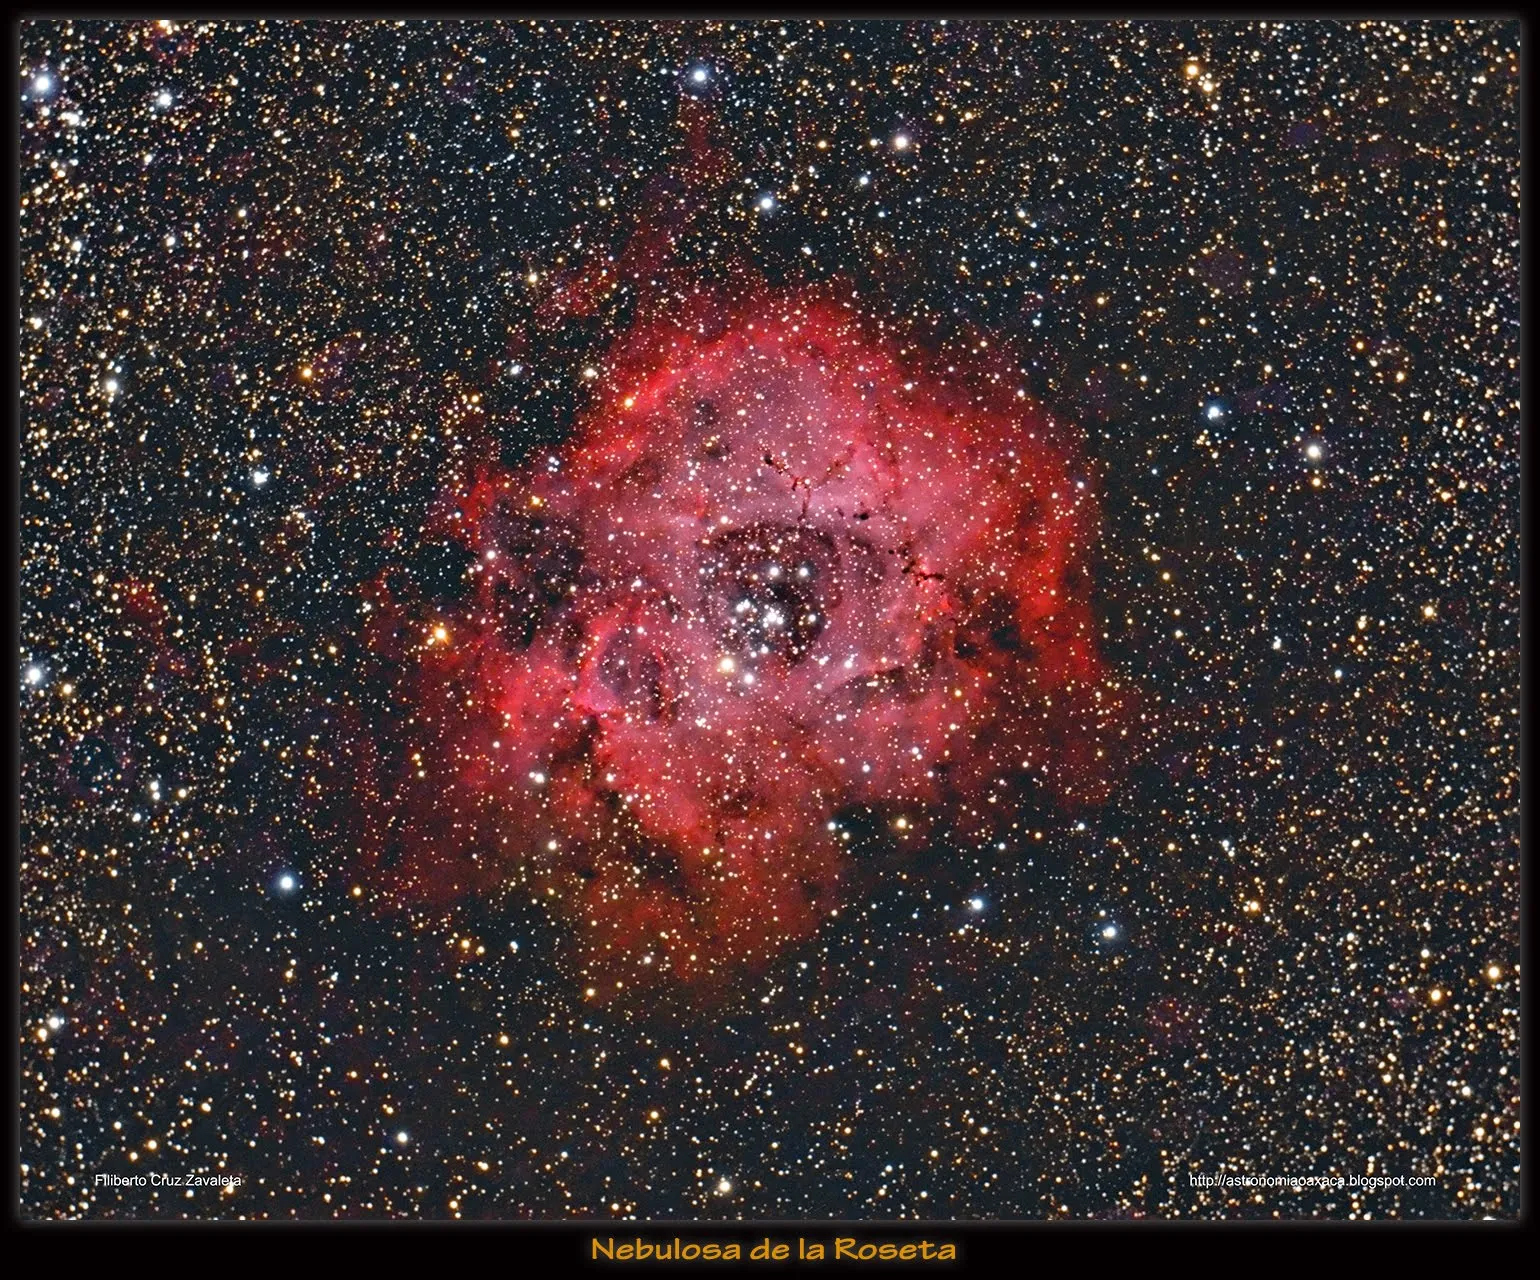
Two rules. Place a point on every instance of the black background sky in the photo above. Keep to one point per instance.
(1270, 269)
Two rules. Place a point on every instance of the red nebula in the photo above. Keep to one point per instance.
(784, 568)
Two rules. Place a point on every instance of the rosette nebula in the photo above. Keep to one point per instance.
(788, 574)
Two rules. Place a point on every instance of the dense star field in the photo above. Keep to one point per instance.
(769, 620)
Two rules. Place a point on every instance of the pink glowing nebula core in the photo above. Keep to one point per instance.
(785, 568)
